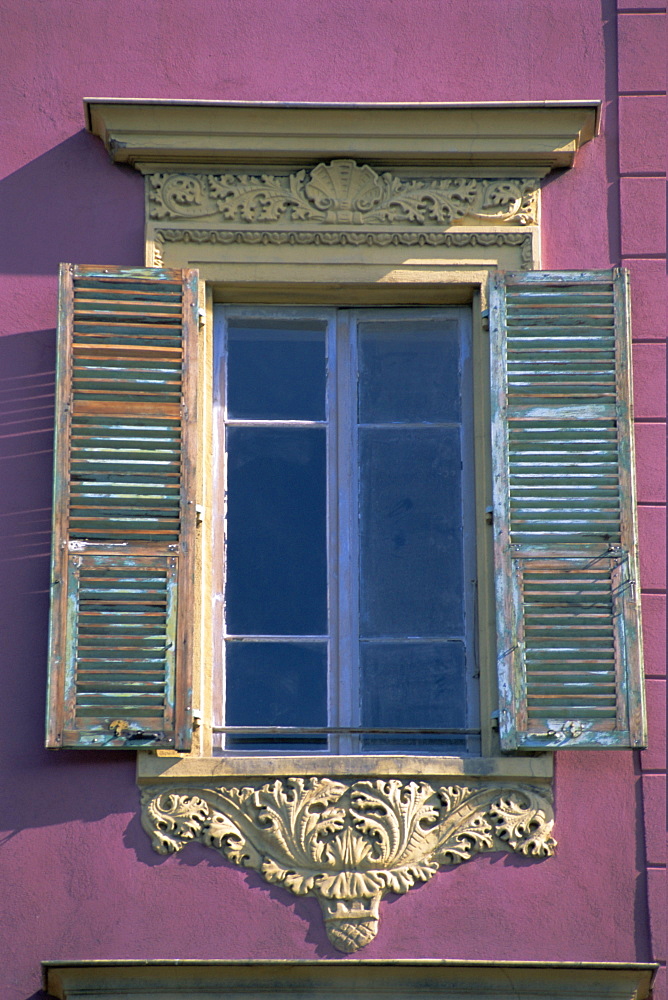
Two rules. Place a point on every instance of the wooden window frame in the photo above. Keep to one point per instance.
(203, 761)
(342, 542)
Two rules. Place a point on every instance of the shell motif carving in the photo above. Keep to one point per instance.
(349, 843)
(343, 189)
(342, 192)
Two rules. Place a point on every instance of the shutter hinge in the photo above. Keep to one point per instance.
(489, 515)
(201, 316)
(484, 318)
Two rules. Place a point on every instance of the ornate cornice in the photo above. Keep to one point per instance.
(349, 842)
(342, 192)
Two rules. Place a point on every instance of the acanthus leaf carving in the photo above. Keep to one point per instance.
(349, 842)
(341, 192)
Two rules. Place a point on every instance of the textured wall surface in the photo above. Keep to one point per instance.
(642, 110)
(80, 879)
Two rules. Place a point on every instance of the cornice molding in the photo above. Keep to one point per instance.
(349, 842)
(542, 135)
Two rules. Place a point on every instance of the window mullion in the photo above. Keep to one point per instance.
(346, 673)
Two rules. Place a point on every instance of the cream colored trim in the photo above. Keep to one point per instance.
(340, 192)
(544, 135)
(339, 222)
(165, 766)
(436, 979)
(348, 843)
(312, 224)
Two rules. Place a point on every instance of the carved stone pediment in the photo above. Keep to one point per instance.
(348, 842)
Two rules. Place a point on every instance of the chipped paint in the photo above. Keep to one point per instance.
(565, 535)
(123, 512)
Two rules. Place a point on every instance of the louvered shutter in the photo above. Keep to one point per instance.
(569, 647)
(124, 512)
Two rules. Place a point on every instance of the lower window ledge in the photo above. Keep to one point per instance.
(167, 764)
(352, 831)
(456, 980)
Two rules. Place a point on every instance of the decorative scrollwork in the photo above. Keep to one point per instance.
(349, 842)
(341, 192)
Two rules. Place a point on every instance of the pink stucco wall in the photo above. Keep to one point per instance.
(80, 879)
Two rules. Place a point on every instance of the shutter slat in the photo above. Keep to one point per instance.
(123, 509)
(565, 546)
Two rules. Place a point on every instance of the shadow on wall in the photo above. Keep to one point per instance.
(71, 204)
(57, 786)
(197, 855)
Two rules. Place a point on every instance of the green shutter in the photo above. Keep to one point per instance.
(568, 618)
(124, 511)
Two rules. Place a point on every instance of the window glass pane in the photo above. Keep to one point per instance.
(276, 531)
(417, 685)
(409, 371)
(411, 545)
(276, 369)
(276, 684)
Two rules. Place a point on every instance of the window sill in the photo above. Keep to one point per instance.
(166, 765)
(117, 978)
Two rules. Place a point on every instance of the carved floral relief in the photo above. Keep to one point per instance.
(349, 842)
(342, 192)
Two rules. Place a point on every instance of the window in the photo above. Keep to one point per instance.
(568, 651)
(348, 600)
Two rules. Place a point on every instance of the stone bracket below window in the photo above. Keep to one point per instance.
(348, 842)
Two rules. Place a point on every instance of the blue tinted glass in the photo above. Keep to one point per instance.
(409, 371)
(276, 369)
(411, 546)
(276, 684)
(276, 531)
(418, 685)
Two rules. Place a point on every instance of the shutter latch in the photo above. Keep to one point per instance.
(122, 729)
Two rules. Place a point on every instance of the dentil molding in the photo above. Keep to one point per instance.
(349, 842)
(342, 192)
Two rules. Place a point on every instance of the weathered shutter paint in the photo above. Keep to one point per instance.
(568, 617)
(124, 511)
